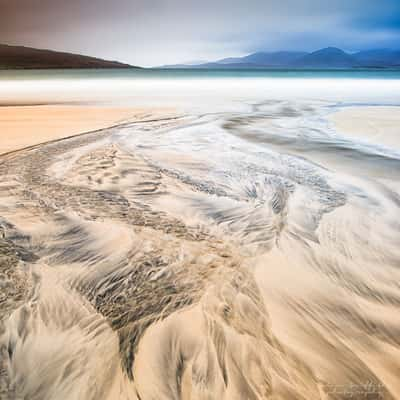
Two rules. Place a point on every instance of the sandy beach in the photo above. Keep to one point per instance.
(375, 124)
(23, 126)
(204, 255)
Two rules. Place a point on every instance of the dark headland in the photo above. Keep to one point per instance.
(21, 57)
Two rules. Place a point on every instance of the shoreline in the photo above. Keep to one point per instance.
(23, 127)
(378, 125)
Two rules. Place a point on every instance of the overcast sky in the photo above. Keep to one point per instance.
(155, 32)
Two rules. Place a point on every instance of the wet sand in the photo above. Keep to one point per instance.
(201, 256)
(23, 126)
(376, 124)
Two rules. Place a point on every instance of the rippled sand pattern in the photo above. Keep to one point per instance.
(219, 256)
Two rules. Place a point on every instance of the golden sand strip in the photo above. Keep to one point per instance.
(23, 126)
(375, 124)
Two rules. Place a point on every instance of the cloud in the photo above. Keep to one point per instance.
(159, 31)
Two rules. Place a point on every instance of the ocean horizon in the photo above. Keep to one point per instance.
(217, 73)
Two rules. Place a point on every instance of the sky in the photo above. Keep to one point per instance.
(157, 32)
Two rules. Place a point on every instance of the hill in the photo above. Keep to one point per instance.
(20, 57)
(329, 57)
(278, 58)
(326, 58)
(379, 58)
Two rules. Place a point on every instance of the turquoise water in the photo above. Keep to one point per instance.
(197, 74)
(203, 90)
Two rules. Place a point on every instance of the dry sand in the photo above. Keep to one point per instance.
(23, 126)
(379, 125)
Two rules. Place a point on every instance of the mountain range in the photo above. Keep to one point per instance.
(326, 58)
(20, 57)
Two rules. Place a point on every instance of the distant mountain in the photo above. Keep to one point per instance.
(20, 57)
(272, 59)
(379, 58)
(215, 65)
(327, 58)
(195, 62)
